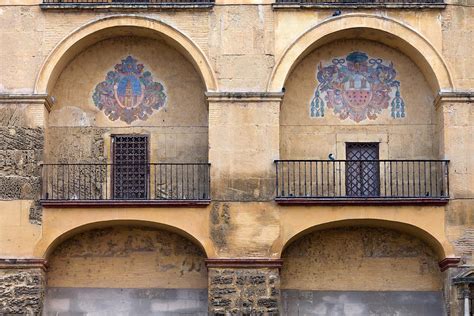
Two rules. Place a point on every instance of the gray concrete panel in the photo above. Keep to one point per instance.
(118, 302)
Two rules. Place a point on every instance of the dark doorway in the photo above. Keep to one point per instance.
(362, 169)
(130, 167)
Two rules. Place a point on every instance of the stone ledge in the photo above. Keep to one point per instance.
(454, 97)
(244, 263)
(244, 96)
(447, 263)
(43, 99)
(361, 201)
(31, 263)
(122, 203)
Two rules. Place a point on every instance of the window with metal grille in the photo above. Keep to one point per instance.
(130, 167)
(362, 177)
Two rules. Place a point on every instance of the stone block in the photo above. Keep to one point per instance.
(20, 188)
(21, 138)
(248, 293)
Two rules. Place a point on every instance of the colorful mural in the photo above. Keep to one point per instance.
(357, 87)
(128, 93)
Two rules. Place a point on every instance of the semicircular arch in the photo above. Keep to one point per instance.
(49, 242)
(436, 241)
(385, 30)
(120, 25)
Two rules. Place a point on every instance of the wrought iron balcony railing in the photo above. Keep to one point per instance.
(126, 184)
(362, 181)
(362, 3)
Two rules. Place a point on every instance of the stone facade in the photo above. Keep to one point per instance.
(235, 84)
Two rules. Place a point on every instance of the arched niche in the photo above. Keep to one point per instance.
(362, 269)
(432, 235)
(80, 127)
(60, 228)
(315, 120)
(126, 267)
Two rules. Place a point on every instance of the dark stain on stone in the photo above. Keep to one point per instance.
(220, 225)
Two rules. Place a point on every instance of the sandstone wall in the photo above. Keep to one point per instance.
(240, 129)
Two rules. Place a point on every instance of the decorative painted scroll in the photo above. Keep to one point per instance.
(357, 87)
(128, 93)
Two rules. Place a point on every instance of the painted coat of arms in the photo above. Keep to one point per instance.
(357, 87)
(128, 93)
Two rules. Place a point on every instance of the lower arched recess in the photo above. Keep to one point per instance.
(126, 270)
(360, 271)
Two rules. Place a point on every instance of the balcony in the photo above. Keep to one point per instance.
(365, 182)
(152, 184)
(352, 4)
(126, 4)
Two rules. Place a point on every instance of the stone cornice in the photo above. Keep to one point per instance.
(43, 99)
(454, 97)
(244, 96)
(245, 263)
(447, 263)
(32, 263)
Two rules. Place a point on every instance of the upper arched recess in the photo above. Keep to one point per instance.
(381, 29)
(121, 25)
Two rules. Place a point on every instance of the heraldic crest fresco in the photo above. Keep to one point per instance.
(357, 87)
(128, 93)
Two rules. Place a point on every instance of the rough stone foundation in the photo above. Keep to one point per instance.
(21, 290)
(234, 291)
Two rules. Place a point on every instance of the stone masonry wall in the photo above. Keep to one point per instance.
(244, 291)
(21, 151)
(21, 291)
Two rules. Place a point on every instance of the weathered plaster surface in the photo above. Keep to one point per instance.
(367, 259)
(154, 259)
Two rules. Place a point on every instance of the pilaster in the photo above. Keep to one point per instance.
(243, 143)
